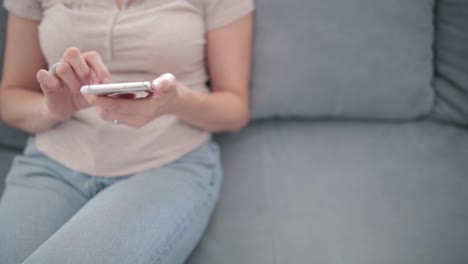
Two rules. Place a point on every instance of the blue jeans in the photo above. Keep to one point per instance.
(51, 214)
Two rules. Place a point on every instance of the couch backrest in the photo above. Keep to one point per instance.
(374, 59)
(343, 59)
(451, 61)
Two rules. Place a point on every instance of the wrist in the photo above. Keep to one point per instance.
(187, 98)
(46, 114)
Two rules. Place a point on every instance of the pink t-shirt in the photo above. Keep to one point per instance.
(137, 43)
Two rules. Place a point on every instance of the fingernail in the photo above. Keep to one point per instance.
(156, 85)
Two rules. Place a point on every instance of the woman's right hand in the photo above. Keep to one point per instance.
(62, 89)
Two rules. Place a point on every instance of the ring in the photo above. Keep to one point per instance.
(53, 68)
(115, 121)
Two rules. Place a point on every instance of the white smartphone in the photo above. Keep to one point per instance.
(116, 88)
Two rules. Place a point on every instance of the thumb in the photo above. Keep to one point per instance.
(164, 83)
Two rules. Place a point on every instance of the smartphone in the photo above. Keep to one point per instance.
(116, 88)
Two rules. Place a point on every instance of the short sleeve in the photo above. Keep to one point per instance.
(219, 13)
(30, 9)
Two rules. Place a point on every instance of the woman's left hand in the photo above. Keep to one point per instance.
(139, 112)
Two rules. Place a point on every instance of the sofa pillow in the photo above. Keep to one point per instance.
(451, 57)
(343, 58)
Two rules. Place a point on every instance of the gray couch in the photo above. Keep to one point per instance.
(358, 148)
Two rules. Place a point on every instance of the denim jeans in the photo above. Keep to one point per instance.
(51, 214)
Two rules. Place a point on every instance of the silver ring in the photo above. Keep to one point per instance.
(115, 121)
(53, 68)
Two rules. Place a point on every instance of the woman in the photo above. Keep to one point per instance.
(119, 180)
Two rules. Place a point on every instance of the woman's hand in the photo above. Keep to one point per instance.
(62, 88)
(226, 108)
(165, 99)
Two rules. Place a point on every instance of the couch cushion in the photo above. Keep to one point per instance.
(12, 138)
(357, 193)
(343, 58)
(451, 80)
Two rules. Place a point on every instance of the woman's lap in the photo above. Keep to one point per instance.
(156, 216)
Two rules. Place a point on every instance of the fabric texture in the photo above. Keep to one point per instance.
(30, 9)
(343, 59)
(138, 43)
(51, 214)
(341, 192)
(12, 138)
(219, 13)
(451, 50)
